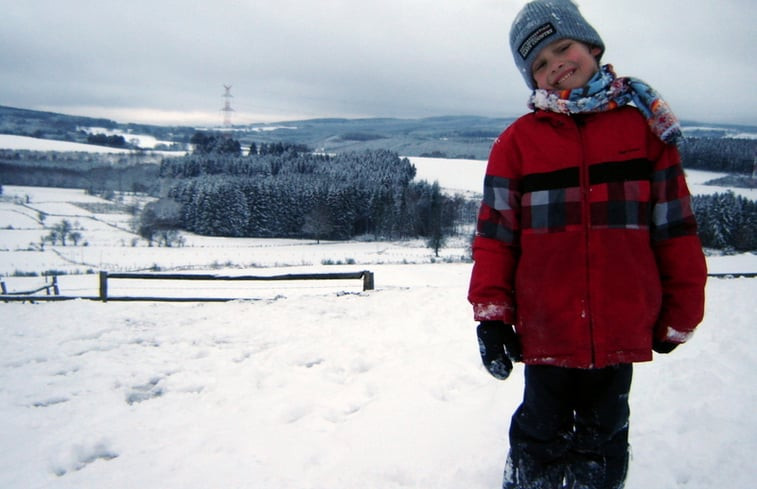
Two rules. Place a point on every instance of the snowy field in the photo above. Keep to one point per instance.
(315, 387)
(10, 141)
(327, 390)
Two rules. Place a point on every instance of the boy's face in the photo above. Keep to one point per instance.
(564, 65)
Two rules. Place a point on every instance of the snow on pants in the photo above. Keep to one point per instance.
(571, 431)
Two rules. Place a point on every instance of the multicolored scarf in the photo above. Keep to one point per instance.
(605, 91)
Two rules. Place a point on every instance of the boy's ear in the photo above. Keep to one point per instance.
(595, 51)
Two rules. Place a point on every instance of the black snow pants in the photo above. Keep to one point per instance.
(571, 431)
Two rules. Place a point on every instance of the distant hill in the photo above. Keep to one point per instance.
(63, 127)
(450, 136)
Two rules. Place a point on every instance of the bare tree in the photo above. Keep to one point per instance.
(318, 223)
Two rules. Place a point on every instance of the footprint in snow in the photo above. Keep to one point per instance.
(145, 392)
(82, 456)
(49, 402)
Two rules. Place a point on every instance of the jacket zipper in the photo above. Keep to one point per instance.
(586, 210)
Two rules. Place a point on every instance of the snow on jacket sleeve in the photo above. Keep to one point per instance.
(496, 245)
(680, 260)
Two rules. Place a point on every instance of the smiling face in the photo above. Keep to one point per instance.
(564, 65)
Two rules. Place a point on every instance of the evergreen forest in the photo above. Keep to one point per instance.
(726, 221)
(284, 191)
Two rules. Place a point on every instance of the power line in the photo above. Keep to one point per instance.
(227, 110)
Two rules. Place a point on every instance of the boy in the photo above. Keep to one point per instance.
(586, 246)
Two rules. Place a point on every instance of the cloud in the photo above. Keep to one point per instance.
(298, 58)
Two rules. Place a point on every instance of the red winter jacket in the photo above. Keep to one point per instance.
(586, 240)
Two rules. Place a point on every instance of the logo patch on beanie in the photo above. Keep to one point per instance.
(537, 36)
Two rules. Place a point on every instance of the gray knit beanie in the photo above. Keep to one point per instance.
(542, 22)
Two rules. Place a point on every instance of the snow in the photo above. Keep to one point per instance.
(9, 141)
(317, 386)
(268, 128)
(144, 141)
(369, 389)
(13, 142)
(727, 133)
(456, 176)
(696, 180)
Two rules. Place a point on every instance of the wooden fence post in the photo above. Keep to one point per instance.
(367, 280)
(104, 286)
(56, 290)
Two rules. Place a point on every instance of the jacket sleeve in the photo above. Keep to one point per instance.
(496, 244)
(678, 251)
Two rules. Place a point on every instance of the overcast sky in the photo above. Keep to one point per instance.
(166, 61)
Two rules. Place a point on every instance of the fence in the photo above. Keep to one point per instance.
(366, 276)
(47, 288)
(104, 278)
(732, 275)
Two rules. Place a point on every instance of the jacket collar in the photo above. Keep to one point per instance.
(553, 118)
(558, 120)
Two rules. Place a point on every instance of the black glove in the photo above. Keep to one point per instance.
(499, 347)
(663, 346)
